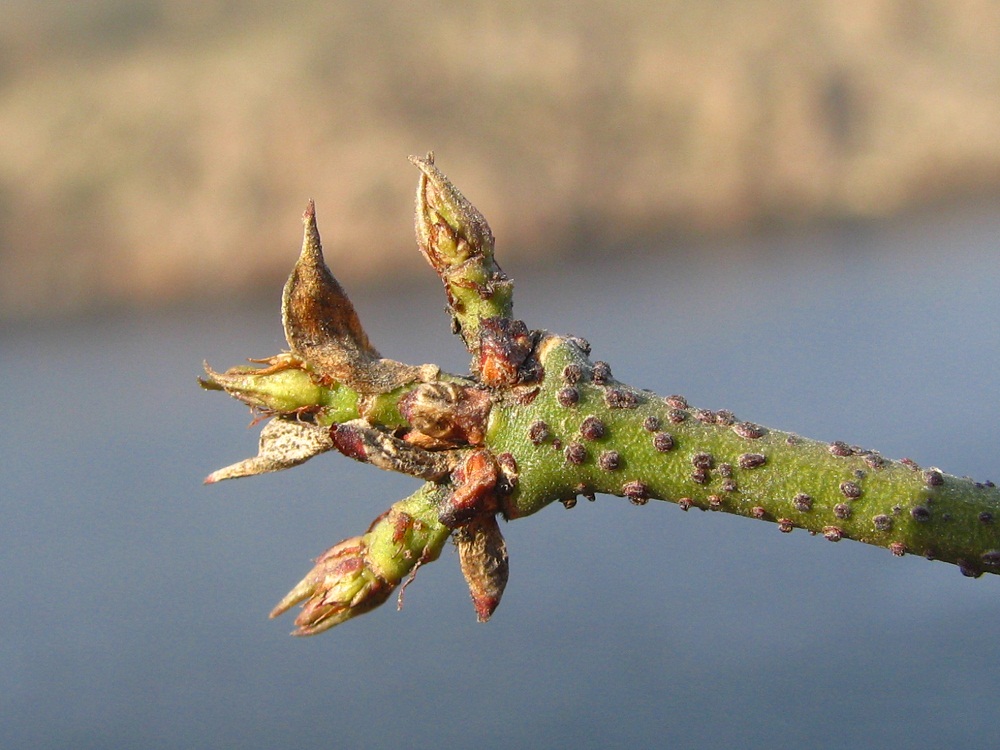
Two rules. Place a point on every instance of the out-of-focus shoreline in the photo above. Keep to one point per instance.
(155, 151)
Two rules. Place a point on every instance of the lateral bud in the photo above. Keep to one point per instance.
(285, 386)
(458, 243)
(449, 229)
(343, 584)
(482, 553)
(322, 327)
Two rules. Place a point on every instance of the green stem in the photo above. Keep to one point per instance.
(586, 433)
(539, 422)
(293, 389)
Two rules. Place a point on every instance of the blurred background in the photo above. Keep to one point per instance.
(787, 209)
(157, 150)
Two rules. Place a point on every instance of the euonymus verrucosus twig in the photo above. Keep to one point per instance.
(537, 421)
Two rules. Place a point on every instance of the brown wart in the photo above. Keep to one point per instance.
(749, 430)
(874, 460)
(676, 416)
(616, 398)
(663, 442)
(850, 490)
(575, 454)
(525, 395)
(580, 343)
(572, 373)
(751, 460)
(882, 522)
(609, 460)
(592, 428)
(802, 502)
(601, 373)
(703, 460)
(933, 478)
(840, 448)
(637, 492)
(538, 432)
(510, 475)
(568, 396)
(842, 510)
(968, 569)
(991, 558)
(725, 418)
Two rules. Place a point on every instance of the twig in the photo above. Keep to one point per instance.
(537, 422)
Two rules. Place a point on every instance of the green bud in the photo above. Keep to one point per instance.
(458, 243)
(282, 388)
(359, 574)
(341, 586)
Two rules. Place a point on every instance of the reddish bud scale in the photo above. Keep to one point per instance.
(475, 490)
(504, 348)
(348, 440)
(449, 412)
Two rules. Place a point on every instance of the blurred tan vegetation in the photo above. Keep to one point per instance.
(162, 149)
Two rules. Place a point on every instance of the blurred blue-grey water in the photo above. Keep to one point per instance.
(135, 599)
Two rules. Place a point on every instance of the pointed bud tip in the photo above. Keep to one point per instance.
(485, 607)
(211, 383)
(420, 161)
(312, 246)
(292, 598)
(277, 612)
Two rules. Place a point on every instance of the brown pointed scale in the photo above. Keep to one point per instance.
(322, 327)
(482, 553)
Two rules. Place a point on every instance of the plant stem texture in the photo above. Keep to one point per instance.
(537, 421)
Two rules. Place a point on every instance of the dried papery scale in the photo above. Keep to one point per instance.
(539, 422)
(482, 553)
(323, 329)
